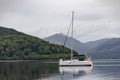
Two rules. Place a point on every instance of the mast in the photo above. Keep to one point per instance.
(72, 36)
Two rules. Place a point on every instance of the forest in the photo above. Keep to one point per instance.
(16, 45)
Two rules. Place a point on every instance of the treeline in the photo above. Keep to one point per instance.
(8, 31)
(16, 45)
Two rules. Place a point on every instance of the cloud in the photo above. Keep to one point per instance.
(6, 5)
(114, 3)
(88, 17)
(46, 17)
(112, 7)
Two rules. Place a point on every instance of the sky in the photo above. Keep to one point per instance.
(94, 19)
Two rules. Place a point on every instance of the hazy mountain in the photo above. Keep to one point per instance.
(92, 44)
(107, 49)
(60, 39)
(103, 48)
(17, 45)
(77, 45)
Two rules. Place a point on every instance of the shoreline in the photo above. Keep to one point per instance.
(41, 61)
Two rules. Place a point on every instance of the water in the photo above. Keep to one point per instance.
(35, 70)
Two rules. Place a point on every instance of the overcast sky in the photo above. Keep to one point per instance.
(94, 19)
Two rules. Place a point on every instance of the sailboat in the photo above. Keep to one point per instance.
(72, 61)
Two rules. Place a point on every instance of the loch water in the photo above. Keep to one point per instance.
(103, 69)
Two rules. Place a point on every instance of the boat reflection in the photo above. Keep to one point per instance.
(75, 71)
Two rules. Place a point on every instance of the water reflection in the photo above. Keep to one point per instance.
(35, 70)
(27, 70)
(68, 73)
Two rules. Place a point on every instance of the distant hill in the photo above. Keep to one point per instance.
(17, 45)
(77, 45)
(60, 39)
(103, 48)
(108, 49)
(92, 44)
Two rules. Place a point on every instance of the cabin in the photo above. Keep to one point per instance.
(81, 57)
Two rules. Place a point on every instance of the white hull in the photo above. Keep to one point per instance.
(75, 62)
(75, 69)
